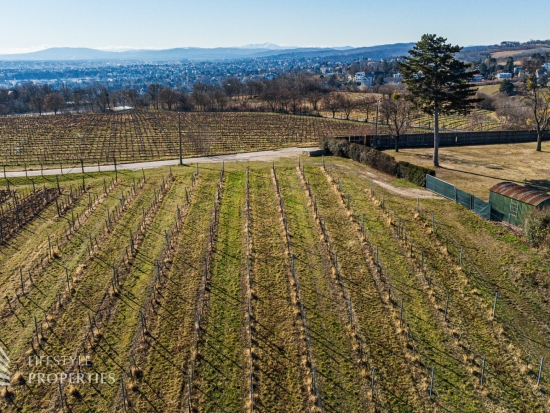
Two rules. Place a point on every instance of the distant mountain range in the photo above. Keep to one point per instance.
(265, 50)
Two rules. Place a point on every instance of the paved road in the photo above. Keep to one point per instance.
(238, 157)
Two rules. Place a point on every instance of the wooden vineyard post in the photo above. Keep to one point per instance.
(179, 134)
(399, 227)
(143, 325)
(131, 241)
(372, 383)
(123, 393)
(83, 180)
(482, 372)
(189, 406)
(540, 370)
(446, 307)
(371, 191)
(350, 312)
(116, 171)
(495, 304)
(432, 382)
(36, 332)
(61, 398)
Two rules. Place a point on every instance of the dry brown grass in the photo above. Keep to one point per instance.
(475, 169)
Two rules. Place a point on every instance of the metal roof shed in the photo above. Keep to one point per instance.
(511, 202)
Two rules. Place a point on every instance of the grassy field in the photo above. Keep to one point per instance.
(476, 168)
(299, 288)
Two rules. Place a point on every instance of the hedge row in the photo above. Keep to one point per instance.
(377, 160)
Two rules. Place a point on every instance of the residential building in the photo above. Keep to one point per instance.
(504, 75)
(359, 76)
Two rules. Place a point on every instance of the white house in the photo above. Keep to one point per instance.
(367, 81)
(359, 76)
(504, 76)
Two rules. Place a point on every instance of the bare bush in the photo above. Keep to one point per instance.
(537, 227)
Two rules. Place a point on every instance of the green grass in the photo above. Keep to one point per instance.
(220, 372)
(494, 258)
(280, 384)
(397, 391)
(469, 315)
(121, 326)
(168, 353)
(340, 383)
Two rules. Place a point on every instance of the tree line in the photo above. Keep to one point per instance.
(297, 93)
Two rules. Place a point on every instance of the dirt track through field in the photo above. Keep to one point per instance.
(263, 156)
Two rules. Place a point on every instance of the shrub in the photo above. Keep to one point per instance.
(381, 161)
(537, 227)
(413, 173)
(376, 159)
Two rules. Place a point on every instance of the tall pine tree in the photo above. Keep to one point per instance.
(438, 83)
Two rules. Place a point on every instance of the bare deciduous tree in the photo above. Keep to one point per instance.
(537, 94)
(54, 101)
(168, 98)
(153, 91)
(396, 112)
(331, 103)
(347, 104)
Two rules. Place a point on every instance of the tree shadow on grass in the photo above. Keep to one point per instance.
(478, 174)
(538, 184)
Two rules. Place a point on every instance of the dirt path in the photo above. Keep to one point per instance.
(383, 181)
(263, 156)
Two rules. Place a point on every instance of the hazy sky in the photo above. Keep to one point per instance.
(35, 24)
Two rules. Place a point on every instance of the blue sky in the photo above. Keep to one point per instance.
(35, 24)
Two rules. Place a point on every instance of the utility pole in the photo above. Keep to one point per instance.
(179, 133)
(377, 110)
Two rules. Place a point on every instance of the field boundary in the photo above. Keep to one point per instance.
(423, 140)
(449, 191)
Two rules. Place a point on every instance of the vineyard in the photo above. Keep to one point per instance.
(298, 286)
(477, 120)
(68, 140)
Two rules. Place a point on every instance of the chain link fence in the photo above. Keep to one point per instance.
(450, 191)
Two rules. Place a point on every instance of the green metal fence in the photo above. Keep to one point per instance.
(450, 191)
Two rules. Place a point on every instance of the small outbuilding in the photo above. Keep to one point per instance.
(511, 202)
